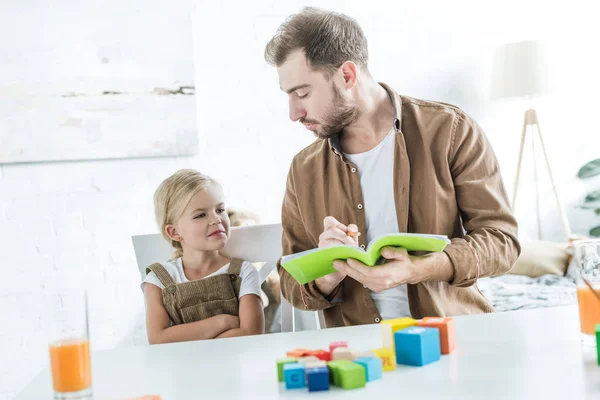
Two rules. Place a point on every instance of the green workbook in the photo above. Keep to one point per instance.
(309, 265)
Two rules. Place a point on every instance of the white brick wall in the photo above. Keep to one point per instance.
(69, 224)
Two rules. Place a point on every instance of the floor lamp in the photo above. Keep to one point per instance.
(518, 73)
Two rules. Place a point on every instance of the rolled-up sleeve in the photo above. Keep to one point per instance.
(490, 246)
(295, 239)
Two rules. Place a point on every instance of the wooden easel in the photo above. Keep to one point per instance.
(531, 119)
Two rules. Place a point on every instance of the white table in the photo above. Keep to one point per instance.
(532, 354)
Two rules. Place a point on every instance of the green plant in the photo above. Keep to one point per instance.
(592, 200)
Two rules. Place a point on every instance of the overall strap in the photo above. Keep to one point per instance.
(235, 266)
(161, 273)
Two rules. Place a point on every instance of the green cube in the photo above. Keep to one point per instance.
(352, 376)
(334, 372)
(598, 341)
(280, 363)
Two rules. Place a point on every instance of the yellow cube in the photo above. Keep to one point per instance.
(391, 326)
(388, 358)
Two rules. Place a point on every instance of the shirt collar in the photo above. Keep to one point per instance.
(334, 142)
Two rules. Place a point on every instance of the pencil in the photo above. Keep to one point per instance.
(352, 233)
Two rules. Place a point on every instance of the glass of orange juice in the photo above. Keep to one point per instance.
(587, 258)
(70, 346)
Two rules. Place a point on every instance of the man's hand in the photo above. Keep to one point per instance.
(400, 268)
(335, 233)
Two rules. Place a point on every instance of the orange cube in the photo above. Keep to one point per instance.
(298, 353)
(151, 397)
(447, 331)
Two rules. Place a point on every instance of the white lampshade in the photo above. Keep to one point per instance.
(518, 70)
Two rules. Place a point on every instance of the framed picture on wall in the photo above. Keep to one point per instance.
(103, 80)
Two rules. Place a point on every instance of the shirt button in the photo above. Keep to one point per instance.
(377, 319)
(359, 206)
(353, 169)
(362, 246)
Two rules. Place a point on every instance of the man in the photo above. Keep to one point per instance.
(384, 163)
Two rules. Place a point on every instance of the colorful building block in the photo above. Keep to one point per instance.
(598, 341)
(417, 346)
(321, 354)
(334, 375)
(148, 397)
(388, 358)
(363, 354)
(306, 359)
(315, 363)
(293, 374)
(447, 332)
(317, 379)
(298, 353)
(280, 363)
(373, 367)
(334, 345)
(391, 326)
(343, 353)
(352, 375)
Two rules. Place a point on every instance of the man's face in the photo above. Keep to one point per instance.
(318, 103)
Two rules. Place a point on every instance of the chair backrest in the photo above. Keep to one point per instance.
(253, 243)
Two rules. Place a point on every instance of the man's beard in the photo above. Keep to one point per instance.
(338, 116)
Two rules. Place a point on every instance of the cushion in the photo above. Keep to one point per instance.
(541, 258)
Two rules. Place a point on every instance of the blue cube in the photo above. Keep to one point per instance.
(417, 346)
(373, 366)
(317, 379)
(293, 375)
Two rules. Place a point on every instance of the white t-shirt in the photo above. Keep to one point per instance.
(250, 279)
(376, 170)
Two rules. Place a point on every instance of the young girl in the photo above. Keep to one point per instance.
(200, 293)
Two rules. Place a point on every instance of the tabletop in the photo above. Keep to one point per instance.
(528, 354)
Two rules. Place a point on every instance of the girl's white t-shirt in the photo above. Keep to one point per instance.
(250, 279)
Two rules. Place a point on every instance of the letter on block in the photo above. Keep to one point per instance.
(335, 345)
(293, 374)
(447, 332)
(280, 363)
(352, 375)
(317, 379)
(388, 358)
(417, 346)
(343, 353)
(373, 367)
(391, 326)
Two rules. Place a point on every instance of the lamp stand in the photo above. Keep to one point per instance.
(531, 119)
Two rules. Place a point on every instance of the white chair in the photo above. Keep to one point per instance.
(253, 243)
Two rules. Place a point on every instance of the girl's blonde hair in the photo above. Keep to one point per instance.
(172, 197)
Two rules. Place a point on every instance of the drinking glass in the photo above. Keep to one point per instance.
(587, 259)
(69, 346)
